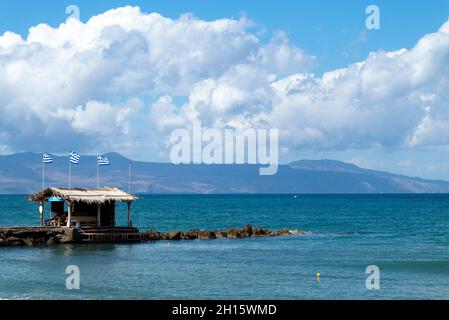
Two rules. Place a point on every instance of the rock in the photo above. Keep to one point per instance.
(259, 232)
(247, 231)
(28, 241)
(41, 241)
(13, 241)
(153, 235)
(52, 241)
(234, 233)
(32, 236)
(70, 235)
(174, 235)
(64, 240)
(220, 234)
(283, 232)
(165, 236)
(206, 235)
(191, 234)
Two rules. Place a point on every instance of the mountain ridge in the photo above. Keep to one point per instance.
(21, 173)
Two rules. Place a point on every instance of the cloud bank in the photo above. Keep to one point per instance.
(124, 79)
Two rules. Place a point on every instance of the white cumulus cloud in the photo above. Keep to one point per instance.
(125, 79)
(74, 78)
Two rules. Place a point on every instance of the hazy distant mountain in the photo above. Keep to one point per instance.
(22, 173)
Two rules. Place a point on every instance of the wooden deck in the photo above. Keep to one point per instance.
(111, 235)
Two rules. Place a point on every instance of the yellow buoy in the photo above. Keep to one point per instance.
(318, 276)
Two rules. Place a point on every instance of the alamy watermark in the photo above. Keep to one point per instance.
(372, 22)
(227, 146)
(73, 12)
(72, 282)
(373, 280)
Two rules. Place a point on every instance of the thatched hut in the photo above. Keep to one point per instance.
(82, 207)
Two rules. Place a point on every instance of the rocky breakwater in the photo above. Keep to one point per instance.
(237, 233)
(37, 236)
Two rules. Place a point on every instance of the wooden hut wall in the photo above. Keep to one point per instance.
(82, 209)
(108, 214)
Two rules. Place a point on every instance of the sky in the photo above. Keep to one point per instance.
(124, 79)
(333, 31)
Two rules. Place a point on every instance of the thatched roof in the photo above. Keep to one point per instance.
(98, 196)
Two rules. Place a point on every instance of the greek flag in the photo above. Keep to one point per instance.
(47, 158)
(74, 157)
(103, 161)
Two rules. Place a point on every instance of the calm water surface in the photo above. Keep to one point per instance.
(407, 236)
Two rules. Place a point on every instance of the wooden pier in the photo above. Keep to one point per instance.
(36, 236)
(111, 235)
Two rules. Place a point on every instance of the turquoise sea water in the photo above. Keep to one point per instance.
(406, 236)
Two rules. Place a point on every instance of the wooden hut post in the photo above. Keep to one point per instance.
(41, 211)
(129, 213)
(99, 214)
(69, 218)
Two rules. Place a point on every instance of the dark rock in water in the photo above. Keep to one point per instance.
(234, 233)
(174, 235)
(206, 235)
(250, 232)
(35, 236)
(259, 232)
(52, 241)
(247, 231)
(283, 232)
(13, 241)
(69, 235)
(28, 241)
(220, 234)
(191, 234)
(153, 235)
(50, 236)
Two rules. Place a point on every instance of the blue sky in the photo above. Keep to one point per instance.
(123, 82)
(327, 29)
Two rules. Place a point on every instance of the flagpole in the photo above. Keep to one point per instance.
(70, 175)
(98, 174)
(129, 178)
(43, 173)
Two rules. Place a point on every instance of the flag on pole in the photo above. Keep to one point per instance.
(47, 158)
(74, 157)
(103, 161)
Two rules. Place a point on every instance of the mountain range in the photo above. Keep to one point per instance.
(21, 173)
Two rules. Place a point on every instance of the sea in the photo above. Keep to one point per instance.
(406, 238)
